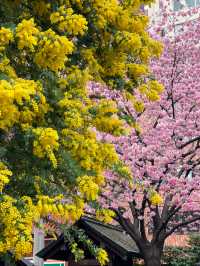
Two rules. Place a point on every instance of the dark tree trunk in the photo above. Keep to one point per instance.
(152, 255)
(153, 262)
(117, 261)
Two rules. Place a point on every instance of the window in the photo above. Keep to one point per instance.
(190, 3)
(180, 4)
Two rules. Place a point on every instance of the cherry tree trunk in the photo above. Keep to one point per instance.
(152, 256)
(153, 262)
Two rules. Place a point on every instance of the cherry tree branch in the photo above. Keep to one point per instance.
(189, 142)
(181, 225)
(127, 226)
(142, 223)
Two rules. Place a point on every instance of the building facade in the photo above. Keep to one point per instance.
(176, 11)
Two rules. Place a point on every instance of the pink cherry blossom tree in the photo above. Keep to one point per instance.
(164, 156)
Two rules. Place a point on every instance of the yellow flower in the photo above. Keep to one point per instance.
(46, 143)
(6, 36)
(143, 89)
(27, 34)
(139, 106)
(145, 54)
(105, 215)
(100, 179)
(53, 50)
(16, 226)
(7, 69)
(155, 198)
(24, 89)
(155, 85)
(88, 187)
(59, 210)
(4, 175)
(152, 95)
(107, 12)
(63, 83)
(35, 106)
(69, 22)
(152, 90)
(102, 257)
(19, 92)
(137, 70)
(130, 42)
(85, 148)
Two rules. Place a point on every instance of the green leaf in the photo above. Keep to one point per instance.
(9, 25)
(3, 151)
(4, 77)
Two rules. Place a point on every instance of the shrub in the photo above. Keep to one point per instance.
(188, 256)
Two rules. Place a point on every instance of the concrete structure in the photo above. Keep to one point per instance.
(38, 244)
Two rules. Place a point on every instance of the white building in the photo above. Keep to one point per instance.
(175, 9)
(173, 5)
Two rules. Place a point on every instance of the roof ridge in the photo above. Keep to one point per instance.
(95, 221)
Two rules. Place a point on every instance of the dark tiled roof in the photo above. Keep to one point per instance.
(112, 237)
(112, 233)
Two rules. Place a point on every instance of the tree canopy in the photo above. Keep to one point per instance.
(52, 160)
(163, 151)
